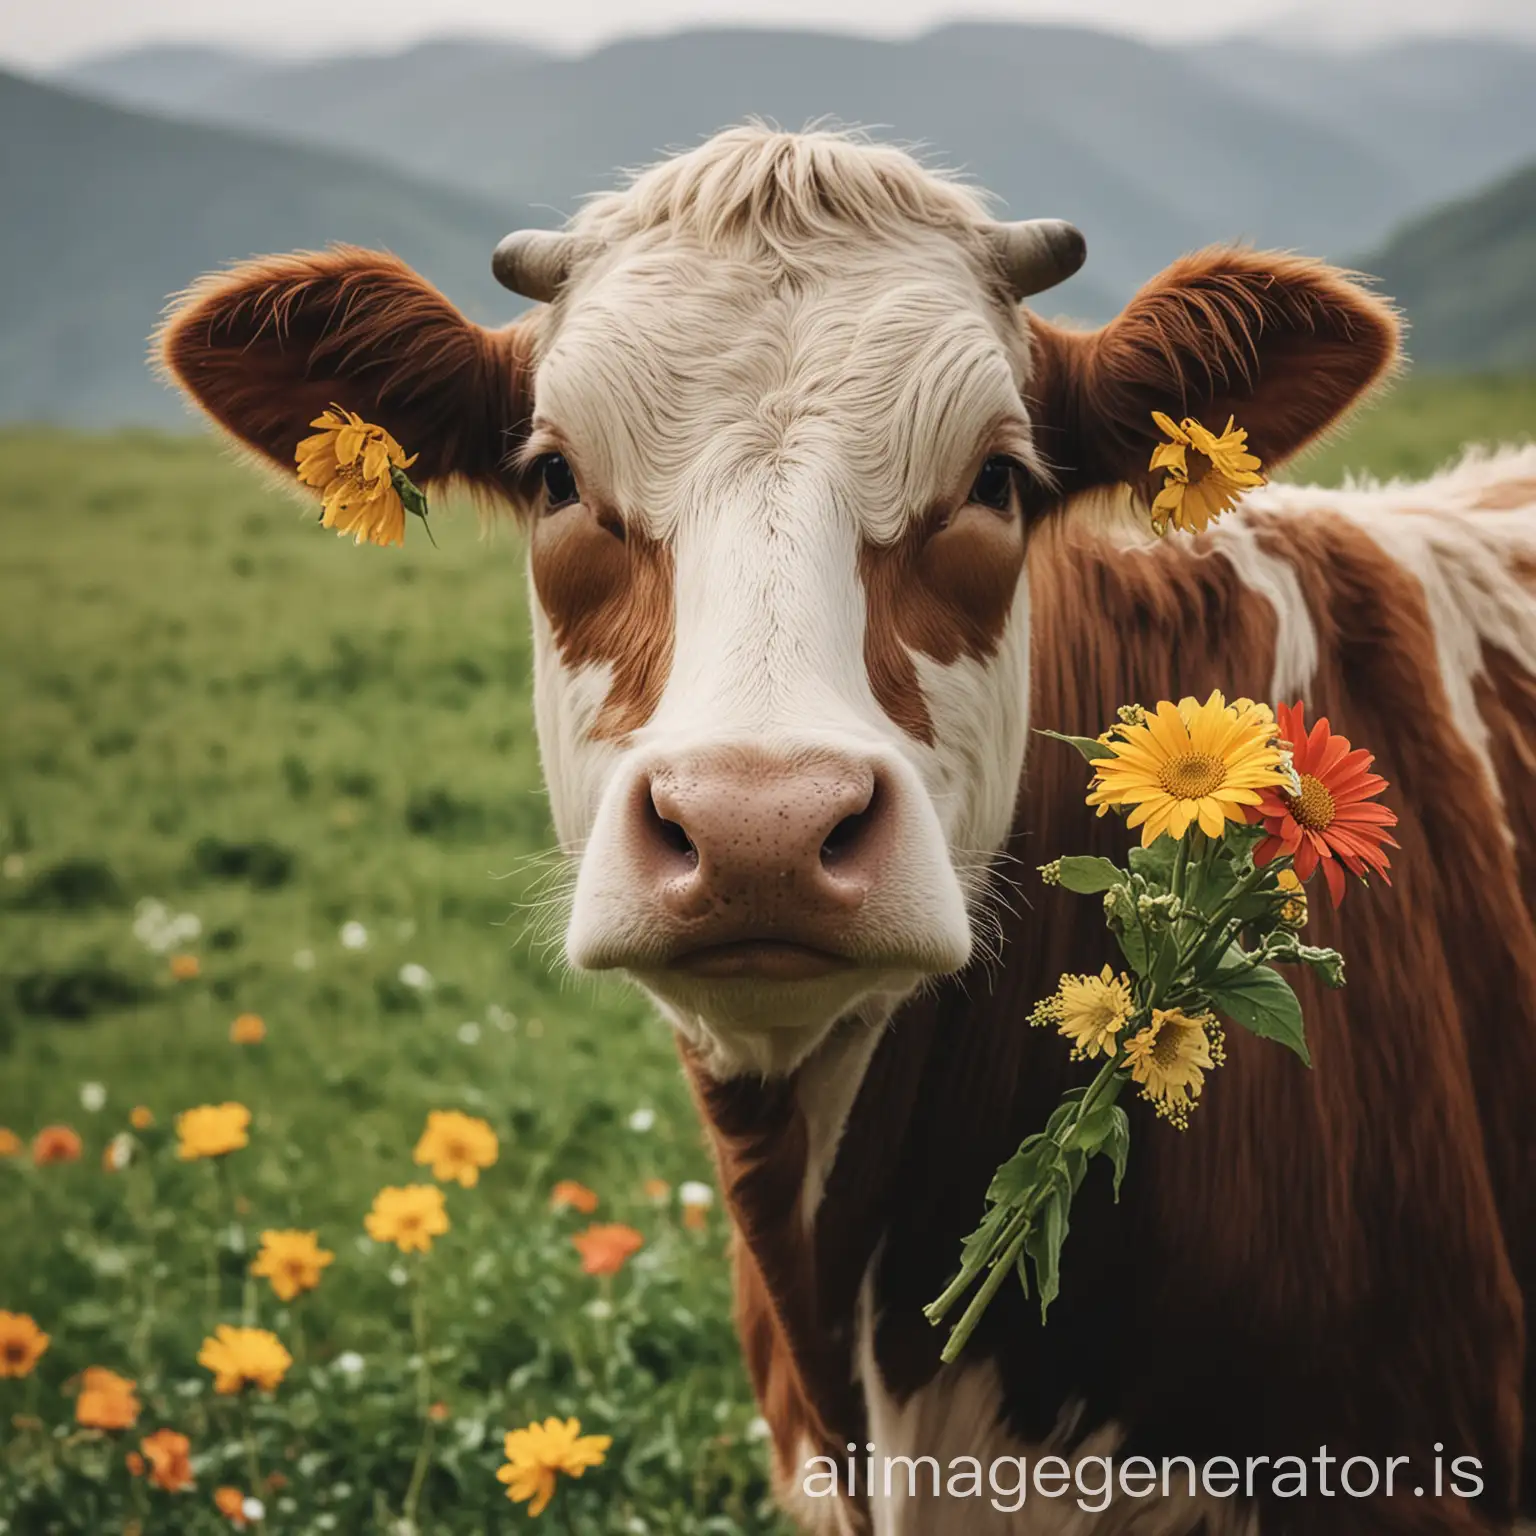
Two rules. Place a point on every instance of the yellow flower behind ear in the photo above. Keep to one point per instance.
(1206, 473)
(351, 463)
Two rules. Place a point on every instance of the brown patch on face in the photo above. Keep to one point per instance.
(1508, 496)
(607, 592)
(944, 589)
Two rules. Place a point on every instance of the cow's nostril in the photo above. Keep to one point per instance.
(670, 834)
(848, 836)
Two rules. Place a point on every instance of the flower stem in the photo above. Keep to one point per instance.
(423, 1397)
(1005, 1251)
(252, 1465)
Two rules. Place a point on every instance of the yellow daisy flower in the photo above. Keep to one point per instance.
(409, 1217)
(1190, 763)
(22, 1344)
(1170, 1057)
(211, 1130)
(537, 1454)
(1092, 1010)
(292, 1261)
(240, 1357)
(350, 462)
(248, 1029)
(1206, 473)
(457, 1146)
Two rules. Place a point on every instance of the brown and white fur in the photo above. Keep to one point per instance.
(787, 668)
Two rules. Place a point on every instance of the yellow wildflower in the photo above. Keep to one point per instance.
(457, 1146)
(244, 1356)
(1092, 1010)
(291, 1261)
(1190, 763)
(141, 1117)
(211, 1130)
(10, 1143)
(351, 463)
(538, 1454)
(1206, 473)
(22, 1344)
(185, 967)
(409, 1217)
(107, 1400)
(1170, 1057)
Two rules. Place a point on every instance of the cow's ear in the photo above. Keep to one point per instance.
(265, 347)
(1283, 344)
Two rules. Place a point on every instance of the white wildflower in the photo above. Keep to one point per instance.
(469, 1033)
(93, 1097)
(693, 1193)
(354, 935)
(348, 1362)
(642, 1119)
(417, 977)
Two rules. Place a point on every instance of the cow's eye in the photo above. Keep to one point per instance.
(559, 483)
(994, 484)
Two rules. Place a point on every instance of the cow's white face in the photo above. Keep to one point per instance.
(781, 627)
(779, 437)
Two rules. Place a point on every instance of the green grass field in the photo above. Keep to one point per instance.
(209, 703)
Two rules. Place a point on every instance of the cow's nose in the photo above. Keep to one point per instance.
(761, 844)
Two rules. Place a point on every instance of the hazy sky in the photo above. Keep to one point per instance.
(40, 33)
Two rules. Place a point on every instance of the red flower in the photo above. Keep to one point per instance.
(1335, 821)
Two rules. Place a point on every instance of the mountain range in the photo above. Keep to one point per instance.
(177, 160)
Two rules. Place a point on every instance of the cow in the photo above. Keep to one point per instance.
(822, 523)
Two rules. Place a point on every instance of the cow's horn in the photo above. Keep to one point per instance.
(1036, 254)
(534, 262)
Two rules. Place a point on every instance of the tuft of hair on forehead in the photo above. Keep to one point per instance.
(756, 191)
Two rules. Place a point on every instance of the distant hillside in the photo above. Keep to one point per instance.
(117, 210)
(1466, 277)
(1151, 150)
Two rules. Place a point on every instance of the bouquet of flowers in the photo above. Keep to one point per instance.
(1236, 810)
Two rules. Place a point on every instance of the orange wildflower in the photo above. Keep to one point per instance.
(230, 1503)
(211, 1130)
(22, 1344)
(55, 1144)
(248, 1029)
(107, 1400)
(134, 1463)
(10, 1142)
(605, 1247)
(1335, 822)
(170, 1460)
(185, 967)
(568, 1194)
(141, 1117)
(238, 1356)
(292, 1261)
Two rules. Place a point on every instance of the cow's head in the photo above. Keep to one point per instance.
(779, 436)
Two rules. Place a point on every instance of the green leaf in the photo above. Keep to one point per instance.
(1091, 749)
(1087, 875)
(1117, 1146)
(1020, 1173)
(1047, 1234)
(1261, 1000)
(1133, 945)
(1155, 864)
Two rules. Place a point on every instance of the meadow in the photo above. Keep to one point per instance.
(248, 769)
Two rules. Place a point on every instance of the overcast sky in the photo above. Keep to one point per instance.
(40, 33)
